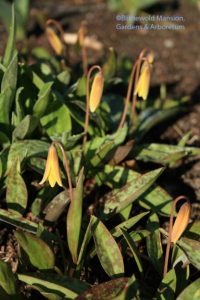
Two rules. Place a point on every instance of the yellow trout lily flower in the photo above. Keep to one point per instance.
(142, 88)
(181, 222)
(54, 41)
(52, 171)
(96, 91)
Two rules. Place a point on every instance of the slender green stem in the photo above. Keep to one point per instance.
(88, 101)
(67, 169)
(174, 203)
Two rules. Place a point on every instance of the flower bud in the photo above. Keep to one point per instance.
(54, 41)
(96, 91)
(181, 222)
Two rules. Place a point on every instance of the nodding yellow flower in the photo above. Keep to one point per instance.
(52, 171)
(181, 222)
(54, 41)
(142, 88)
(96, 91)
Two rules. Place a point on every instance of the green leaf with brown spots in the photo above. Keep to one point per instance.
(167, 287)
(16, 193)
(107, 249)
(191, 292)
(105, 291)
(154, 245)
(56, 207)
(54, 286)
(74, 218)
(34, 247)
(7, 279)
(118, 199)
(192, 250)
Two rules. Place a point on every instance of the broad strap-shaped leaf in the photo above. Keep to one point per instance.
(42, 102)
(191, 292)
(162, 153)
(100, 149)
(26, 149)
(53, 285)
(40, 254)
(57, 118)
(105, 291)
(10, 46)
(8, 87)
(25, 127)
(128, 224)
(154, 245)
(7, 279)
(74, 218)
(16, 220)
(107, 249)
(133, 249)
(56, 207)
(117, 200)
(192, 250)
(155, 198)
(167, 287)
(16, 193)
(86, 239)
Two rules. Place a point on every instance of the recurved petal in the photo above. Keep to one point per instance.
(47, 167)
(181, 222)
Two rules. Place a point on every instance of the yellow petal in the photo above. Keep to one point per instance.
(47, 167)
(51, 178)
(54, 41)
(96, 91)
(181, 222)
(142, 88)
(52, 171)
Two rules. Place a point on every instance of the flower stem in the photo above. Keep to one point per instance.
(67, 169)
(88, 101)
(174, 203)
(128, 96)
(84, 60)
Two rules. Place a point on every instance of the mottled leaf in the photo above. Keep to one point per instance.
(118, 199)
(34, 246)
(191, 292)
(7, 279)
(167, 287)
(104, 291)
(16, 193)
(41, 104)
(154, 245)
(74, 218)
(107, 249)
(61, 287)
(56, 207)
(192, 250)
